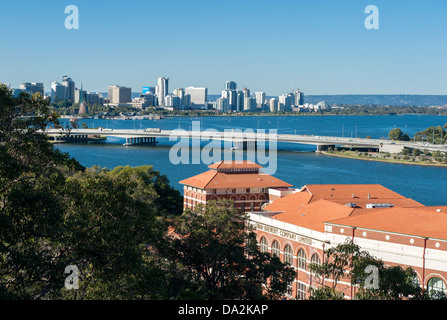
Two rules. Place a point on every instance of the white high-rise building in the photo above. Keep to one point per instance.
(199, 96)
(222, 105)
(58, 92)
(162, 90)
(273, 105)
(119, 94)
(260, 98)
(70, 88)
(33, 87)
(249, 104)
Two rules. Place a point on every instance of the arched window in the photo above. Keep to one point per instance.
(435, 284)
(301, 259)
(263, 245)
(275, 248)
(315, 259)
(288, 255)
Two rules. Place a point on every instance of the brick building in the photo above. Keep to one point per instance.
(398, 230)
(298, 225)
(243, 182)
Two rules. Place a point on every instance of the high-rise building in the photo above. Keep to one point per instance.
(230, 85)
(70, 88)
(173, 101)
(184, 97)
(222, 104)
(119, 94)
(286, 101)
(273, 105)
(58, 92)
(199, 96)
(260, 99)
(33, 87)
(162, 90)
(240, 101)
(249, 104)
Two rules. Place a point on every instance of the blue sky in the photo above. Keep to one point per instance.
(262, 45)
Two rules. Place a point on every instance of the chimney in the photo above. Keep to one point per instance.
(369, 196)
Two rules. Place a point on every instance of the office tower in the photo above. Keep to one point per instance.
(162, 90)
(58, 92)
(70, 88)
(118, 94)
(230, 85)
(240, 101)
(273, 105)
(246, 92)
(299, 98)
(286, 101)
(199, 96)
(148, 90)
(222, 105)
(184, 97)
(173, 101)
(33, 87)
(249, 104)
(260, 99)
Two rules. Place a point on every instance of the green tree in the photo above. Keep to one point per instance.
(216, 248)
(397, 134)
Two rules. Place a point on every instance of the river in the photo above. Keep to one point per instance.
(297, 164)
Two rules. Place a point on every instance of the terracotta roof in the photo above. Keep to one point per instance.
(313, 215)
(217, 180)
(324, 203)
(420, 221)
(234, 165)
(346, 191)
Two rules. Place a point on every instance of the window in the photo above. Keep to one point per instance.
(436, 285)
(315, 259)
(288, 255)
(301, 259)
(275, 248)
(301, 291)
(263, 245)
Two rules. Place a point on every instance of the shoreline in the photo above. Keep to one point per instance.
(384, 160)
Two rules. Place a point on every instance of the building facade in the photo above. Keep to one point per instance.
(299, 225)
(243, 182)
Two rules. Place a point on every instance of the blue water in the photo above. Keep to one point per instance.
(297, 164)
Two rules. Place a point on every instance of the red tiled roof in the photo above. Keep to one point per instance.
(316, 204)
(420, 221)
(216, 179)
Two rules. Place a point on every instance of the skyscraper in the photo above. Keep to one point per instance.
(70, 88)
(33, 87)
(199, 96)
(58, 92)
(118, 94)
(162, 90)
(230, 85)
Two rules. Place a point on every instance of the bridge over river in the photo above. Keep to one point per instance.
(238, 138)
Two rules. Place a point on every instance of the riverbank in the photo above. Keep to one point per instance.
(379, 157)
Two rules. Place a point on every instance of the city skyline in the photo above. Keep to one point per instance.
(323, 48)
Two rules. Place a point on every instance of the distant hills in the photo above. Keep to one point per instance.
(372, 99)
(391, 100)
(361, 99)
